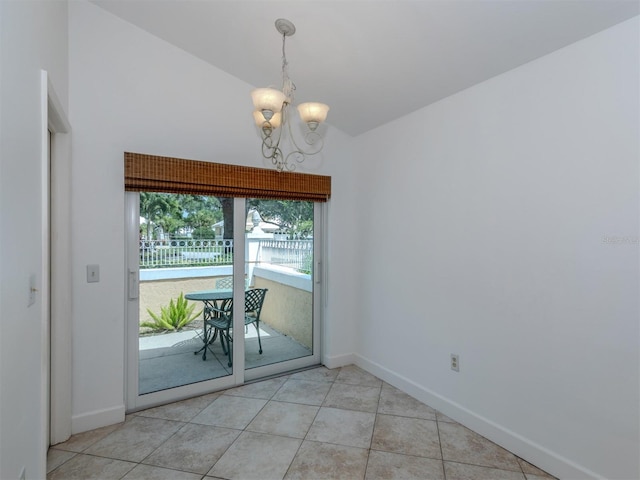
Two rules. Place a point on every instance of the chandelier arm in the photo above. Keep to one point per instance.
(314, 135)
(268, 144)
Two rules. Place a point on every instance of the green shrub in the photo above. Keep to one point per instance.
(173, 317)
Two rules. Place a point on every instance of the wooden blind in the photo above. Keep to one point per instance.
(151, 173)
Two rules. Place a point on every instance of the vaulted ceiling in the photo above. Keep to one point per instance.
(372, 61)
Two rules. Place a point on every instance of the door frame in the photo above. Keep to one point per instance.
(56, 343)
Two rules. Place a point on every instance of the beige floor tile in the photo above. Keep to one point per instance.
(286, 419)
(320, 374)
(81, 441)
(530, 469)
(257, 456)
(393, 466)
(135, 439)
(265, 389)
(356, 376)
(315, 424)
(88, 467)
(149, 472)
(408, 436)
(343, 427)
(396, 402)
(460, 471)
(182, 411)
(459, 444)
(353, 397)
(441, 417)
(324, 461)
(55, 458)
(303, 391)
(194, 448)
(230, 412)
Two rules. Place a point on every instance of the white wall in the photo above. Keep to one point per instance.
(131, 91)
(498, 200)
(33, 36)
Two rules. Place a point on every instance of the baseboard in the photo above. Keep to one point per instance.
(97, 419)
(528, 450)
(336, 361)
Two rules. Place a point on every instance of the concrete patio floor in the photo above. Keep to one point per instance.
(167, 360)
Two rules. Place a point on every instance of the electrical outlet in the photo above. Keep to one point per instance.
(455, 362)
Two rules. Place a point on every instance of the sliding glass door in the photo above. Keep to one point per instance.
(219, 291)
(180, 271)
(280, 263)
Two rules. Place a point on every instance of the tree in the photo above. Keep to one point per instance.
(155, 206)
(200, 213)
(294, 217)
(227, 216)
(170, 224)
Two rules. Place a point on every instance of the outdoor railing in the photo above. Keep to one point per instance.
(185, 252)
(296, 254)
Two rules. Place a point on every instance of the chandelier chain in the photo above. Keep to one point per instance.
(288, 86)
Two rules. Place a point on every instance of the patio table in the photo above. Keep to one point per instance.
(212, 299)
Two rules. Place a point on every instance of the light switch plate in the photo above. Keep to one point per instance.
(93, 273)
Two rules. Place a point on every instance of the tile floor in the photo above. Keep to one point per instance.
(316, 424)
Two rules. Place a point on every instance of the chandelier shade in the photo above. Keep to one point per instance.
(273, 116)
(268, 100)
(313, 113)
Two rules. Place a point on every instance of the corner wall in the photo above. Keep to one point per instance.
(33, 37)
(513, 208)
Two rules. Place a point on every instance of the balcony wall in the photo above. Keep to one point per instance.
(288, 305)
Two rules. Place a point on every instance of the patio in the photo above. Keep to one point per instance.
(167, 360)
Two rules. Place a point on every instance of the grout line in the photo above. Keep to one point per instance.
(444, 471)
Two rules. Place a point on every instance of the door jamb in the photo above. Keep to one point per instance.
(57, 241)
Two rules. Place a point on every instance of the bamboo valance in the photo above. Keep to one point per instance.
(152, 173)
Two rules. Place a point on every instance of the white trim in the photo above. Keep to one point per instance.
(60, 262)
(131, 309)
(43, 285)
(97, 419)
(239, 256)
(336, 361)
(323, 299)
(508, 439)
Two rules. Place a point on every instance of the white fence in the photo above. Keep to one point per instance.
(185, 252)
(296, 254)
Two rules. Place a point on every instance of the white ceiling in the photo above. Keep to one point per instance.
(372, 61)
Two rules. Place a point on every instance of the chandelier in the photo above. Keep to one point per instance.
(274, 115)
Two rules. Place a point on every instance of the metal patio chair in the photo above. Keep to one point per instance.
(222, 320)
